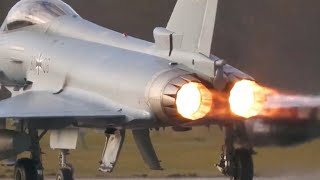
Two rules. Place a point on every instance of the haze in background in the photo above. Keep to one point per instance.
(276, 41)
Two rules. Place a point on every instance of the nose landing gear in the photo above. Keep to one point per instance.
(66, 170)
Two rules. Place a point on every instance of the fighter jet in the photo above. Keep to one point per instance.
(61, 73)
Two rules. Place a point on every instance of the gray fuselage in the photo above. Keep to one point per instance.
(54, 61)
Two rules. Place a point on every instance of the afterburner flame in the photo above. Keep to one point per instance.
(247, 98)
(193, 101)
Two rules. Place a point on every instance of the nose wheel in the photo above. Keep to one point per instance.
(66, 170)
(235, 163)
(64, 174)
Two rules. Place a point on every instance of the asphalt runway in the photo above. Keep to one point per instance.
(259, 178)
(308, 177)
(274, 178)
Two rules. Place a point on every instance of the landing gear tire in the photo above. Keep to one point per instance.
(26, 169)
(243, 162)
(235, 163)
(64, 174)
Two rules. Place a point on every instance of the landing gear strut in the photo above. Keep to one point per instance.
(66, 170)
(236, 163)
(30, 168)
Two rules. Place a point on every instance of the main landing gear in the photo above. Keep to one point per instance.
(30, 168)
(235, 163)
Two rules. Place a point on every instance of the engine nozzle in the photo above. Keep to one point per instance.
(182, 97)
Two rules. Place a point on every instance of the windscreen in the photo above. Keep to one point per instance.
(31, 12)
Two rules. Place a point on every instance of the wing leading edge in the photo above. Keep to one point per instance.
(44, 105)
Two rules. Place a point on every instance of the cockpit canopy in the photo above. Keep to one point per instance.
(31, 12)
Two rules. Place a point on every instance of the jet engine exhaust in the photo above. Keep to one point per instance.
(272, 117)
(249, 99)
(178, 97)
(193, 101)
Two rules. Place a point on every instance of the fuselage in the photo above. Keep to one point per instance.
(72, 55)
(107, 64)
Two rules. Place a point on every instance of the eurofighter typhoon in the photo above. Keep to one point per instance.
(60, 73)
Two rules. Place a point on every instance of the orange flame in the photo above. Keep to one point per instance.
(193, 101)
(247, 98)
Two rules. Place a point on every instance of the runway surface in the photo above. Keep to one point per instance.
(308, 177)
